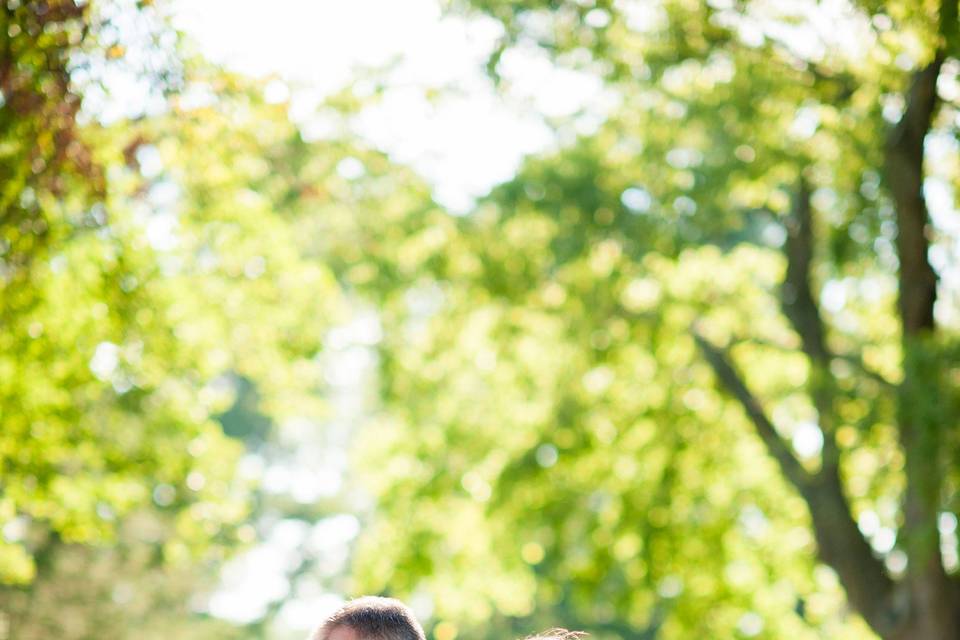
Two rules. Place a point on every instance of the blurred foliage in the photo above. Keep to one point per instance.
(149, 265)
(551, 447)
(123, 590)
(47, 169)
(547, 446)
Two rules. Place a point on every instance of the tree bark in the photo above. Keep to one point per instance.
(904, 176)
(932, 598)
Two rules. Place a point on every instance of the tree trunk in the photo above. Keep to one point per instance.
(927, 595)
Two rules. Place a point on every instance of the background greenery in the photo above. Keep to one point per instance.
(692, 373)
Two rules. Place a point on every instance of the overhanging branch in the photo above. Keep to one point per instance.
(799, 304)
(839, 542)
(731, 381)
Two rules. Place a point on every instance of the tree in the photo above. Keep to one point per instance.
(112, 476)
(549, 433)
(154, 269)
(115, 359)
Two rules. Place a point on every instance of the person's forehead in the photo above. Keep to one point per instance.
(342, 632)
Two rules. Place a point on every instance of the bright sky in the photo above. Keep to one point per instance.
(463, 143)
(472, 138)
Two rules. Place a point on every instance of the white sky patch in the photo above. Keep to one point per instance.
(463, 145)
(105, 359)
(308, 463)
(868, 523)
(807, 439)
(301, 615)
(316, 42)
(252, 581)
(941, 150)
(810, 31)
(463, 140)
(126, 87)
(884, 540)
(554, 92)
(833, 296)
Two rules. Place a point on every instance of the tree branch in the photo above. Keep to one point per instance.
(839, 542)
(799, 304)
(731, 381)
(904, 176)
(873, 374)
(850, 358)
(796, 293)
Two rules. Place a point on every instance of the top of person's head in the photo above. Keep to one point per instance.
(372, 618)
(557, 633)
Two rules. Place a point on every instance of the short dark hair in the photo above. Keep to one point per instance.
(557, 633)
(374, 618)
